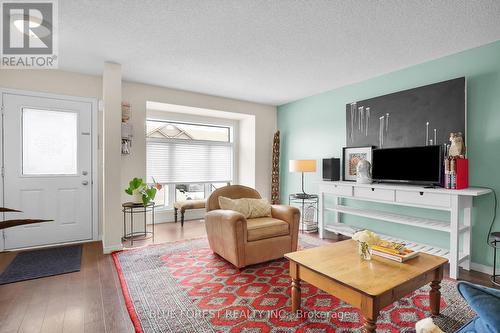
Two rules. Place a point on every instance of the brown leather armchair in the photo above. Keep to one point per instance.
(243, 241)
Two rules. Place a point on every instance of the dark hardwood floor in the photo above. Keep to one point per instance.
(91, 300)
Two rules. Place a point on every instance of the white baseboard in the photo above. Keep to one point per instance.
(481, 268)
(36, 247)
(111, 248)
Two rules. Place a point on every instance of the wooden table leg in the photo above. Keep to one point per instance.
(370, 310)
(295, 295)
(294, 274)
(370, 325)
(435, 294)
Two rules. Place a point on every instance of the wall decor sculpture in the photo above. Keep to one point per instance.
(275, 176)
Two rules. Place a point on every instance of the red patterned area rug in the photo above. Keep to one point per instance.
(184, 287)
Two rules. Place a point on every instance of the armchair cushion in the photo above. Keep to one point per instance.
(486, 303)
(249, 207)
(266, 227)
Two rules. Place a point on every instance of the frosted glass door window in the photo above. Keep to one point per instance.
(50, 142)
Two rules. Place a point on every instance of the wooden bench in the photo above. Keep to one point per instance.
(187, 205)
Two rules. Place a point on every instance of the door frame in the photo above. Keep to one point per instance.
(94, 154)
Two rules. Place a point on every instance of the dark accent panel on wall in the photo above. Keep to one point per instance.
(399, 119)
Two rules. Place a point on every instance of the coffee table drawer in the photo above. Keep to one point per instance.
(424, 199)
(374, 193)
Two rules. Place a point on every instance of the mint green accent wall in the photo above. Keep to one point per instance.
(314, 128)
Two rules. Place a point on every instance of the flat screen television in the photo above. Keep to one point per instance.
(412, 165)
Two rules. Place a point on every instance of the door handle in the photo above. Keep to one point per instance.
(85, 182)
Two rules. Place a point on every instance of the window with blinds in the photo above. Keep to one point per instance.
(188, 153)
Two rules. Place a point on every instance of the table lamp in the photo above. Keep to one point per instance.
(302, 166)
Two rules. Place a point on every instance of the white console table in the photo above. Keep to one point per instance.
(453, 201)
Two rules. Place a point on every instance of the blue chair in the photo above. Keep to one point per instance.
(486, 303)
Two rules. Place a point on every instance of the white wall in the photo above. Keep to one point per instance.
(247, 158)
(112, 117)
(265, 123)
(134, 165)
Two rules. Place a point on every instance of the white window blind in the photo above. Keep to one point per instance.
(189, 161)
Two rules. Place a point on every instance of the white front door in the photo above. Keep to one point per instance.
(47, 160)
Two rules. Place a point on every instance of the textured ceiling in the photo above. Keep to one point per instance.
(271, 51)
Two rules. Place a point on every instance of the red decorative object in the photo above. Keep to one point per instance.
(462, 165)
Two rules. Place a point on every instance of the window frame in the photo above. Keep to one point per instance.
(22, 140)
(229, 129)
(230, 124)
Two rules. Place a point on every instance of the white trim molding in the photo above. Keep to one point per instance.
(112, 248)
(481, 268)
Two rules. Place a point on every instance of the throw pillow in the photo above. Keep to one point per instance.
(250, 208)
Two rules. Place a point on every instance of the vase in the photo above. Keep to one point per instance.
(137, 198)
(364, 251)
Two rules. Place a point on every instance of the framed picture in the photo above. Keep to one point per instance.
(350, 157)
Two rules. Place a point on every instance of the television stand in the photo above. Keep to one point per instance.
(454, 201)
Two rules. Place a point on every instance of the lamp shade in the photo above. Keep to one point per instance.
(302, 165)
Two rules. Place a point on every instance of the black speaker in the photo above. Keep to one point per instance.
(331, 169)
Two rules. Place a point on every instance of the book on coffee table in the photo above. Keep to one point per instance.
(396, 257)
(394, 251)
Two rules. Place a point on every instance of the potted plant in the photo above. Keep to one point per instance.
(141, 191)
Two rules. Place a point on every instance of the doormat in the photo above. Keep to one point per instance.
(36, 264)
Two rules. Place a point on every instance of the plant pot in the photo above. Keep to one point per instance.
(137, 198)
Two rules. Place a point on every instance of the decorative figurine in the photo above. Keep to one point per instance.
(457, 147)
(364, 172)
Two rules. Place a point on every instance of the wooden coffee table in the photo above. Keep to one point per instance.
(367, 285)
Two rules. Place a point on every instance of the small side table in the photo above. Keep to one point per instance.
(138, 208)
(309, 211)
(495, 244)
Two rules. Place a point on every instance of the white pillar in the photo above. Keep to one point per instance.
(112, 97)
(467, 240)
(454, 236)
